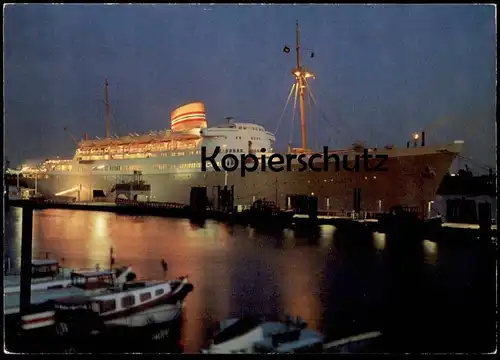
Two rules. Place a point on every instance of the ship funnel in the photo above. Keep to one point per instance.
(188, 117)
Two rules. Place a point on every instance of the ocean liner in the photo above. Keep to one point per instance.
(169, 161)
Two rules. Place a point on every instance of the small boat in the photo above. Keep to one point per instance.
(46, 274)
(252, 335)
(80, 282)
(38, 322)
(132, 305)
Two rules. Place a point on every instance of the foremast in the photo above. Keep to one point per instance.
(301, 74)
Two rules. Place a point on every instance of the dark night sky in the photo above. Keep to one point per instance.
(382, 71)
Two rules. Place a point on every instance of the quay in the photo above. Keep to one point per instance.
(289, 219)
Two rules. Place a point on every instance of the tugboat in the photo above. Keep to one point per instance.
(251, 335)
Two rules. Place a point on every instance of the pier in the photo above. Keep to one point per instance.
(289, 219)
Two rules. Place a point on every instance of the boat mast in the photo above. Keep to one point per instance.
(300, 74)
(107, 111)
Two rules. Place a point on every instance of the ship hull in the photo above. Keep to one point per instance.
(410, 179)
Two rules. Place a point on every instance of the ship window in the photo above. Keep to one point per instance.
(107, 305)
(145, 296)
(128, 301)
(159, 292)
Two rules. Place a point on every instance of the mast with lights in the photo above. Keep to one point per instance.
(301, 73)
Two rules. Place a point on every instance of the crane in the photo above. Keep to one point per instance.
(70, 134)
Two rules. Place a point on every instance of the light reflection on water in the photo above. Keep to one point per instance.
(235, 270)
(379, 240)
(232, 275)
(430, 251)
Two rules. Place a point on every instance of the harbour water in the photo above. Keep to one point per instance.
(427, 297)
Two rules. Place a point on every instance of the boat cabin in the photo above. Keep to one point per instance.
(133, 294)
(89, 280)
(44, 268)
